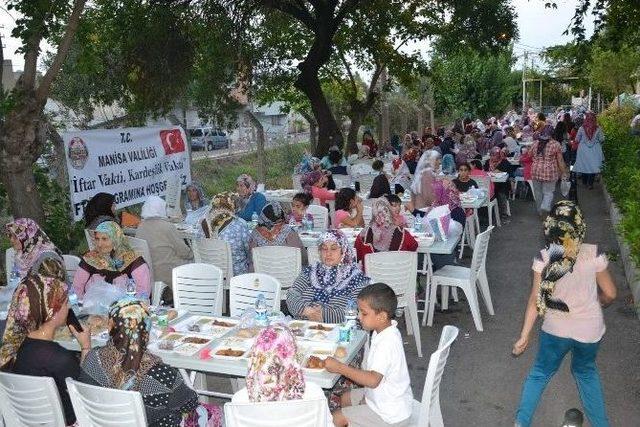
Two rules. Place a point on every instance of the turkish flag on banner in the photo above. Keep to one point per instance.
(172, 141)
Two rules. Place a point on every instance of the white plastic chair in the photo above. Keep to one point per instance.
(341, 181)
(9, 259)
(105, 407)
(245, 288)
(320, 216)
(71, 263)
(398, 270)
(313, 411)
(197, 288)
(367, 214)
(466, 279)
(281, 262)
(141, 247)
(215, 252)
(313, 255)
(88, 234)
(366, 181)
(468, 235)
(29, 401)
(427, 413)
(491, 205)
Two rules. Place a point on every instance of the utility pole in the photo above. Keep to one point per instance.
(541, 94)
(524, 82)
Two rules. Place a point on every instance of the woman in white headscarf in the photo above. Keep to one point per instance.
(422, 194)
(168, 249)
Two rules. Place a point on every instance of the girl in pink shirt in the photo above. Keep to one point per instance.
(113, 261)
(570, 282)
(347, 201)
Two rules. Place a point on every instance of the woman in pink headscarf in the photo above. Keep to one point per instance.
(589, 157)
(382, 235)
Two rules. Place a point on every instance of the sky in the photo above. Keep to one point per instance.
(539, 27)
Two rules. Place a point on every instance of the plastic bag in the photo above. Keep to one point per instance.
(565, 187)
(437, 222)
(99, 298)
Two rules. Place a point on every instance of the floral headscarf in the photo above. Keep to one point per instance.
(223, 207)
(564, 230)
(307, 164)
(309, 179)
(590, 124)
(342, 279)
(38, 297)
(121, 256)
(272, 229)
(248, 182)
(202, 200)
(445, 193)
(271, 214)
(382, 225)
(125, 358)
(274, 372)
(34, 243)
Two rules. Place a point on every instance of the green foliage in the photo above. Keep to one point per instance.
(621, 173)
(220, 175)
(469, 82)
(614, 72)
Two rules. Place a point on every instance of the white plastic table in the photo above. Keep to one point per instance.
(190, 365)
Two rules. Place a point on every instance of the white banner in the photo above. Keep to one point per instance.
(130, 163)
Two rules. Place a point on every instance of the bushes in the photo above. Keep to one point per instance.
(622, 172)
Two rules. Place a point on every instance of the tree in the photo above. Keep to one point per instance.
(23, 127)
(614, 72)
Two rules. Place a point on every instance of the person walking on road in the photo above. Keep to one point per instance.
(589, 157)
(546, 169)
(570, 283)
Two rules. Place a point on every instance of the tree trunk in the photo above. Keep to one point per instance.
(352, 137)
(328, 130)
(259, 129)
(313, 129)
(57, 162)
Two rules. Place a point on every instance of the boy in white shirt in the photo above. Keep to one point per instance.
(386, 398)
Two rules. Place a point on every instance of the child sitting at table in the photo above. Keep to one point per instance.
(299, 205)
(386, 398)
(396, 209)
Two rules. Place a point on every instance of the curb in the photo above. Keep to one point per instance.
(631, 270)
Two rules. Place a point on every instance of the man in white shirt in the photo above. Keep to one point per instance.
(386, 398)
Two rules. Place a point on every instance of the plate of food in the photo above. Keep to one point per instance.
(231, 350)
(247, 333)
(321, 332)
(297, 328)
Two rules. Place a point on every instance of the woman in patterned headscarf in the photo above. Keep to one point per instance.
(30, 244)
(112, 261)
(250, 201)
(315, 183)
(223, 224)
(272, 230)
(321, 291)
(570, 283)
(125, 364)
(196, 198)
(382, 235)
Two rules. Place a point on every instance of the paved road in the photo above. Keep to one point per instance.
(482, 382)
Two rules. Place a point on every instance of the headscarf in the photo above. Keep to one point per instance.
(272, 229)
(445, 193)
(99, 206)
(248, 182)
(448, 164)
(274, 371)
(121, 256)
(223, 208)
(305, 165)
(590, 124)
(202, 200)
(426, 164)
(309, 179)
(125, 359)
(34, 242)
(342, 279)
(543, 139)
(496, 156)
(154, 207)
(382, 225)
(564, 230)
(38, 297)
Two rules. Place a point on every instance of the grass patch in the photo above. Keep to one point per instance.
(218, 175)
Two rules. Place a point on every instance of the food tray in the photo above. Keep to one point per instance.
(206, 325)
(182, 344)
(232, 344)
(315, 335)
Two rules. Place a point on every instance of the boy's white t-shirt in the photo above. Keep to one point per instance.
(393, 398)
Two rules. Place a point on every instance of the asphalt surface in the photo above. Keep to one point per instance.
(482, 381)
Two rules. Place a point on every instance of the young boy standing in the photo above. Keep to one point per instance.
(386, 398)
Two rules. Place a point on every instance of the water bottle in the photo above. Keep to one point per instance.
(131, 288)
(254, 220)
(309, 222)
(350, 316)
(261, 311)
(417, 224)
(73, 298)
(14, 278)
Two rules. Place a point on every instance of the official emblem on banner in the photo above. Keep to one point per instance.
(172, 141)
(78, 153)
